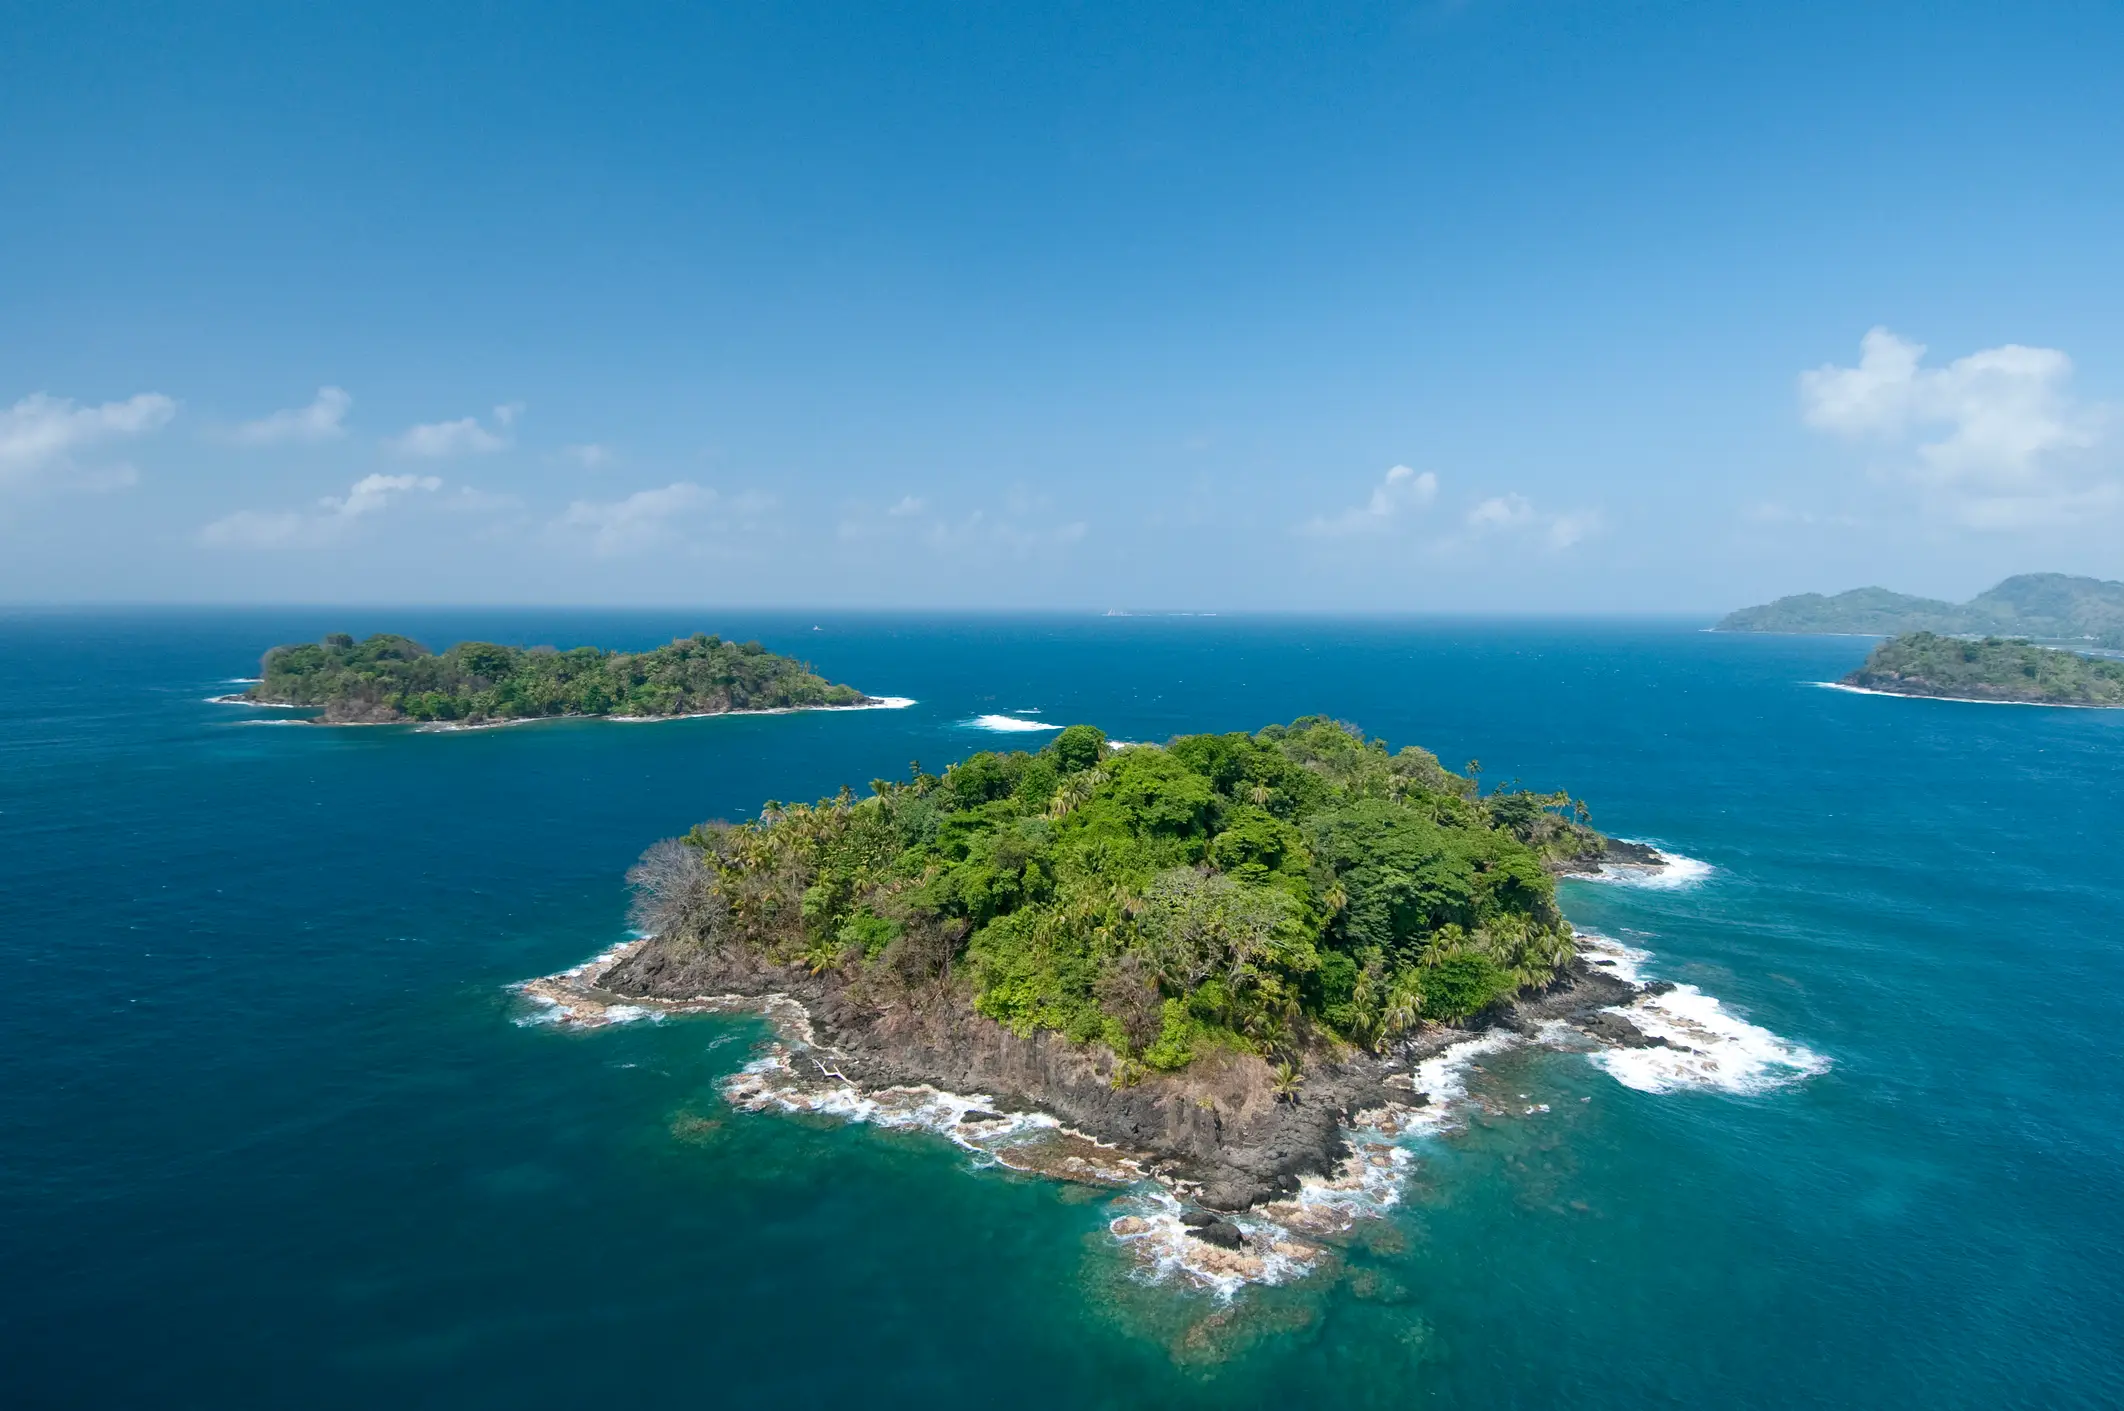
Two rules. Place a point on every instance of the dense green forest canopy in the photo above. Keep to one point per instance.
(1268, 893)
(1993, 668)
(2051, 605)
(387, 677)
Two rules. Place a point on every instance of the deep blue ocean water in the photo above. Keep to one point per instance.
(270, 1136)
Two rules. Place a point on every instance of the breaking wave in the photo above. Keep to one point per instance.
(1679, 872)
(1149, 1216)
(1706, 1046)
(1008, 724)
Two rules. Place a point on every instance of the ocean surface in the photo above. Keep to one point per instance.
(272, 1132)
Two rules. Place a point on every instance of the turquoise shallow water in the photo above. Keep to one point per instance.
(272, 1137)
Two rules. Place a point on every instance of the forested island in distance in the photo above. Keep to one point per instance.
(2049, 606)
(387, 678)
(1200, 951)
(1988, 669)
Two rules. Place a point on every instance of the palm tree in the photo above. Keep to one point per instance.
(1074, 790)
(1289, 1077)
(1404, 1008)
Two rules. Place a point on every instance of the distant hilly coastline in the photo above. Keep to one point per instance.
(2046, 606)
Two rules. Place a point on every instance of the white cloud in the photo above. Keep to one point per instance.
(1502, 512)
(1026, 525)
(1573, 528)
(264, 529)
(438, 440)
(1400, 493)
(372, 492)
(42, 432)
(643, 518)
(589, 455)
(1999, 442)
(981, 531)
(324, 419)
(1515, 514)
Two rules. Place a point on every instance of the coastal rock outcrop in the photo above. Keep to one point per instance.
(1220, 1130)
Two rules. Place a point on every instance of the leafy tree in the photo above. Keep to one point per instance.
(386, 677)
(1256, 893)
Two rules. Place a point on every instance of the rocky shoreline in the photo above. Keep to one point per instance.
(1218, 1132)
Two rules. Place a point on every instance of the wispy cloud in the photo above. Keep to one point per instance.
(589, 455)
(42, 433)
(1399, 496)
(324, 419)
(1026, 525)
(272, 529)
(638, 521)
(1996, 439)
(441, 440)
(1514, 513)
(981, 530)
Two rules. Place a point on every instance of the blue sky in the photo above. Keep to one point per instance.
(1495, 305)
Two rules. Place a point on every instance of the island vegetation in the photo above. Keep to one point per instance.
(2047, 606)
(387, 678)
(1280, 893)
(1989, 669)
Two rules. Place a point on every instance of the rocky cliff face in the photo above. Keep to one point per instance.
(1219, 1124)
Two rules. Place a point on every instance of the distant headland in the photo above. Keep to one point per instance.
(2044, 606)
(1987, 669)
(387, 679)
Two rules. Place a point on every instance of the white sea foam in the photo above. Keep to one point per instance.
(1711, 1047)
(1281, 1238)
(1443, 1079)
(779, 1081)
(1678, 872)
(1148, 1226)
(1958, 700)
(1281, 1235)
(1008, 724)
(879, 703)
(1612, 957)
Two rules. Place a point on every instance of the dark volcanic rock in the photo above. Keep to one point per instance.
(1196, 1219)
(1221, 1233)
(975, 1114)
(1614, 1029)
(1237, 1193)
(1218, 1123)
(1618, 853)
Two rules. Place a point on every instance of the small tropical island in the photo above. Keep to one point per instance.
(1208, 954)
(1988, 669)
(387, 679)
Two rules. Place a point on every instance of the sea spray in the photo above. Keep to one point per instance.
(1008, 724)
(1705, 1046)
(1674, 873)
(1280, 1240)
